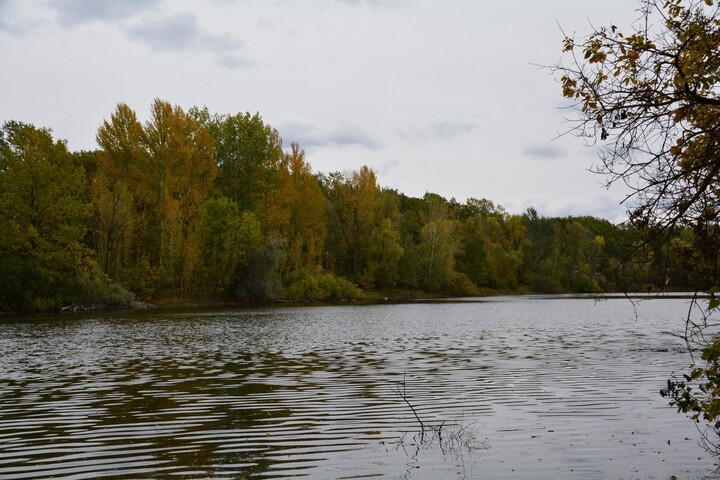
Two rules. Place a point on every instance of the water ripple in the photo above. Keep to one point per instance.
(554, 388)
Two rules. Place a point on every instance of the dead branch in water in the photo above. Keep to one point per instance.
(403, 394)
(453, 438)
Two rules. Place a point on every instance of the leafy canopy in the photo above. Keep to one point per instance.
(650, 98)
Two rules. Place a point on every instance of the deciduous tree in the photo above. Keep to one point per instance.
(249, 157)
(650, 97)
(162, 172)
(297, 213)
(357, 209)
(118, 222)
(42, 219)
(180, 174)
(225, 237)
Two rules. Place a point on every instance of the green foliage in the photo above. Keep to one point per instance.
(698, 393)
(258, 279)
(297, 213)
(438, 246)
(96, 288)
(546, 284)
(42, 219)
(316, 285)
(146, 278)
(225, 238)
(650, 98)
(159, 221)
(150, 183)
(249, 157)
(362, 236)
(462, 285)
(584, 283)
(384, 253)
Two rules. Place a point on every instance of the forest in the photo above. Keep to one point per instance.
(194, 206)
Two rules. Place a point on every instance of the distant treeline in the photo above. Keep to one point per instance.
(194, 206)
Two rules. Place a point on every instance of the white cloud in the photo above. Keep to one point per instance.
(442, 129)
(451, 129)
(308, 136)
(16, 20)
(373, 3)
(231, 60)
(181, 31)
(436, 98)
(160, 29)
(75, 12)
(543, 151)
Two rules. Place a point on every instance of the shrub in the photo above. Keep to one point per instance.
(316, 285)
(462, 285)
(586, 284)
(96, 288)
(546, 284)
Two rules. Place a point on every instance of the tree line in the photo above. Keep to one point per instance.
(197, 206)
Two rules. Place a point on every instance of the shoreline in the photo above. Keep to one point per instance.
(161, 304)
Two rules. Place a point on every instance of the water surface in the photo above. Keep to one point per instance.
(506, 387)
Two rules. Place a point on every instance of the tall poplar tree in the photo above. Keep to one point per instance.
(120, 209)
(298, 213)
(165, 169)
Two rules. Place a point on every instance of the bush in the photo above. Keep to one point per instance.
(42, 304)
(586, 284)
(258, 280)
(316, 285)
(462, 285)
(96, 288)
(546, 284)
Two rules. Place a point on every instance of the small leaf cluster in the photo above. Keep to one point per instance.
(697, 393)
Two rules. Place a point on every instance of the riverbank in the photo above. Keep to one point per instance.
(368, 299)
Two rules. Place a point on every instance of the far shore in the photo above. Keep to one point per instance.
(165, 304)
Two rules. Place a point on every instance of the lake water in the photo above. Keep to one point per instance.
(505, 387)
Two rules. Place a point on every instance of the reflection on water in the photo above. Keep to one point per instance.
(554, 388)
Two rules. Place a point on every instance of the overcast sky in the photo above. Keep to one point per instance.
(435, 96)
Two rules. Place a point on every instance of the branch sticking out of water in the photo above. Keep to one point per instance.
(403, 394)
(450, 440)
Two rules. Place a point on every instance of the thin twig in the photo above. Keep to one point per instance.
(402, 394)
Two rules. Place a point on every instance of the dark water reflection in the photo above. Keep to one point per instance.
(543, 388)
